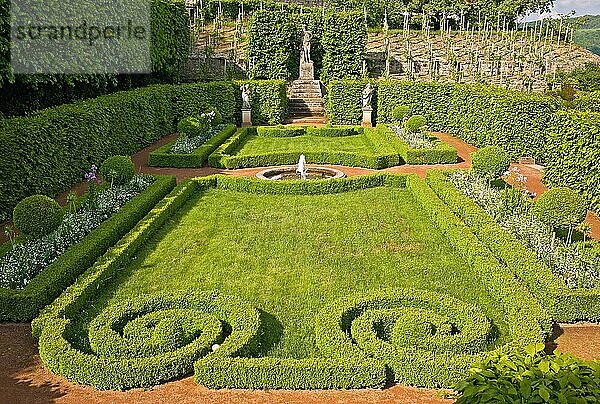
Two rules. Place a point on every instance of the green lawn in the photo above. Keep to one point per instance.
(288, 255)
(305, 144)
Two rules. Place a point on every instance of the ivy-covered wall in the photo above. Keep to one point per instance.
(344, 45)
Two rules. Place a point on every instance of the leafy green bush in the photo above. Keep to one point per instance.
(561, 207)
(415, 123)
(37, 215)
(400, 112)
(513, 201)
(273, 45)
(117, 170)
(490, 162)
(190, 126)
(23, 305)
(573, 152)
(531, 376)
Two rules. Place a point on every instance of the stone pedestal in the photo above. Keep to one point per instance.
(246, 117)
(307, 71)
(367, 120)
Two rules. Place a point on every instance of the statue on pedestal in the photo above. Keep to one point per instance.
(245, 97)
(307, 37)
(367, 96)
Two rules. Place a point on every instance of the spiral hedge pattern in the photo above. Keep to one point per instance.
(151, 339)
(420, 335)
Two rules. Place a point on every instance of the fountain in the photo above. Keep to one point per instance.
(300, 171)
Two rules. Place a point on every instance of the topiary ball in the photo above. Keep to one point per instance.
(415, 123)
(117, 170)
(561, 207)
(37, 215)
(189, 126)
(400, 112)
(490, 162)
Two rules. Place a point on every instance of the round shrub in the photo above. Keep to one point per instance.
(189, 126)
(561, 207)
(415, 123)
(490, 162)
(400, 112)
(37, 215)
(117, 170)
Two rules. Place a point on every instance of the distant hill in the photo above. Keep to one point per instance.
(588, 35)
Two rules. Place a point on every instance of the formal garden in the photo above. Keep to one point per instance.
(307, 224)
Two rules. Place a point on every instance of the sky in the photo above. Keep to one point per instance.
(581, 7)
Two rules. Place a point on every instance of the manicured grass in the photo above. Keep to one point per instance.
(305, 144)
(289, 255)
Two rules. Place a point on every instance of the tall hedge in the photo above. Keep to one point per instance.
(170, 38)
(478, 114)
(344, 44)
(573, 148)
(169, 51)
(50, 150)
(273, 45)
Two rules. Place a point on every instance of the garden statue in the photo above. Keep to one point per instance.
(305, 56)
(366, 107)
(245, 96)
(367, 96)
(246, 106)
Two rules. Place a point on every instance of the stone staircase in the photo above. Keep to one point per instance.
(305, 101)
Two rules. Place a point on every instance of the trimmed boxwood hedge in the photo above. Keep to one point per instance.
(562, 303)
(388, 149)
(162, 157)
(50, 150)
(130, 357)
(24, 305)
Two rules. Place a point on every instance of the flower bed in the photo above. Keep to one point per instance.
(192, 152)
(43, 268)
(562, 302)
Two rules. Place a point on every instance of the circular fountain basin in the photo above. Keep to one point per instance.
(289, 173)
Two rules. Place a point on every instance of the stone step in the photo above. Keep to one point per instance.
(304, 95)
(294, 107)
(314, 101)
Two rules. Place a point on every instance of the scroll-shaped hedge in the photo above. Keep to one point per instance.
(148, 340)
(424, 337)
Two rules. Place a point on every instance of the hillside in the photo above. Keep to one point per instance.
(588, 35)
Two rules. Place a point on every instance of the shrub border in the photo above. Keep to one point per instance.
(527, 322)
(563, 304)
(23, 305)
